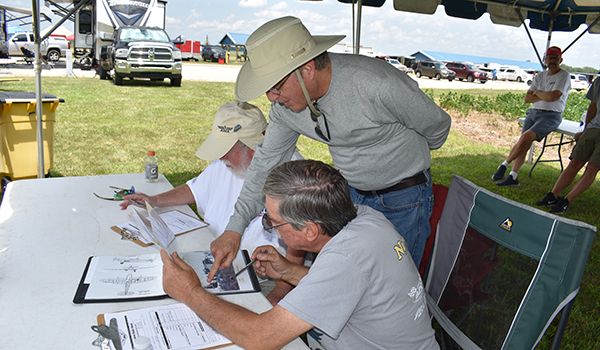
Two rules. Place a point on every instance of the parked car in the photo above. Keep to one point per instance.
(579, 82)
(213, 53)
(433, 69)
(467, 71)
(514, 74)
(396, 64)
(52, 48)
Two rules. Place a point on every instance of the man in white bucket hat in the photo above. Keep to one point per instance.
(379, 127)
(238, 128)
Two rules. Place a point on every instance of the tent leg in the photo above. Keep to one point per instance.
(562, 325)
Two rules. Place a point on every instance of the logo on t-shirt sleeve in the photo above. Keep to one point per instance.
(400, 249)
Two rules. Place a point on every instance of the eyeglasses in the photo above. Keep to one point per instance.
(268, 224)
(277, 90)
(317, 127)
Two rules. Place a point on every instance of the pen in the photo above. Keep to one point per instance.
(249, 264)
(137, 203)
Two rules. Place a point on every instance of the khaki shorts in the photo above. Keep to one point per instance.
(588, 147)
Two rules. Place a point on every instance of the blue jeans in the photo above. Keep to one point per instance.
(408, 209)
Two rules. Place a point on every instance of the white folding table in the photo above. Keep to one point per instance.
(566, 127)
(48, 230)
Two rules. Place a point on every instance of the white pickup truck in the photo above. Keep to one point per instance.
(52, 48)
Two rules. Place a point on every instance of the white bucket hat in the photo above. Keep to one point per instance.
(234, 121)
(275, 50)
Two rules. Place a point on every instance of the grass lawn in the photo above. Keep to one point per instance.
(107, 129)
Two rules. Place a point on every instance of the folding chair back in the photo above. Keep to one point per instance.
(502, 270)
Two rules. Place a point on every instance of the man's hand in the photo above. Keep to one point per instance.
(180, 281)
(224, 249)
(270, 263)
(138, 197)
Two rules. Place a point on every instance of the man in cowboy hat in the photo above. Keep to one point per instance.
(347, 299)
(238, 128)
(548, 93)
(379, 127)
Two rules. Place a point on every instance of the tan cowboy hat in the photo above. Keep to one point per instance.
(275, 50)
(234, 121)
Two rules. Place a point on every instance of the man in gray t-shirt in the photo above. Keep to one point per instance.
(378, 125)
(586, 150)
(363, 290)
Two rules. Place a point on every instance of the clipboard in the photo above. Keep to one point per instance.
(153, 332)
(125, 279)
(126, 233)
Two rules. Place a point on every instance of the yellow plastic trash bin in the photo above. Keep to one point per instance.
(18, 130)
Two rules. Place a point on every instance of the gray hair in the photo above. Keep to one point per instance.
(311, 191)
(322, 61)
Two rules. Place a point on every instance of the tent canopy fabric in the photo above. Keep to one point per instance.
(546, 15)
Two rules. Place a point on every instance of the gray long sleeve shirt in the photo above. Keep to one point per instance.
(382, 128)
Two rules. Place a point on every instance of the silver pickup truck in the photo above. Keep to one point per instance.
(52, 48)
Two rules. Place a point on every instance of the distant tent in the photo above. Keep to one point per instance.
(235, 39)
(60, 31)
(14, 29)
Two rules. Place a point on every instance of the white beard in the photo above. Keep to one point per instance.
(238, 172)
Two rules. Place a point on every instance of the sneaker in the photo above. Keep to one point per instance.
(509, 181)
(499, 175)
(561, 206)
(549, 199)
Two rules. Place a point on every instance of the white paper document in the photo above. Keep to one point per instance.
(175, 220)
(174, 327)
(124, 278)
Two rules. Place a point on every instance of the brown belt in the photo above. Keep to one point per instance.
(406, 183)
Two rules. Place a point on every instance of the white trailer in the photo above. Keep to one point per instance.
(98, 20)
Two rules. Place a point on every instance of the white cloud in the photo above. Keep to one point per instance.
(280, 6)
(173, 21)
(252, 3)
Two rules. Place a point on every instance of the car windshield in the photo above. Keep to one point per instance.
(137, 34)
(471, 67)
(394, 62)
(440, 66)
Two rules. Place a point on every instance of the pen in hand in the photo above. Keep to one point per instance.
(249, 264)
(137, 203)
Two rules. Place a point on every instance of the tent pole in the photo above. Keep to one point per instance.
(38, 88)
(358, 24)
(550, 27)
(532, 42)
(580, 35)
(353, 25)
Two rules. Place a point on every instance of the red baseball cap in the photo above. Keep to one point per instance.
(554, 50)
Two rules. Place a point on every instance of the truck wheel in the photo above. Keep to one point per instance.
(470, 78)
(176, 81)
(103, 75)
(117, 79)
(519, 79)
(53, 55)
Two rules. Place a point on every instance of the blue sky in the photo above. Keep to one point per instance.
(388, 31)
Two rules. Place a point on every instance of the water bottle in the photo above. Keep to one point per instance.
(151, 167)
